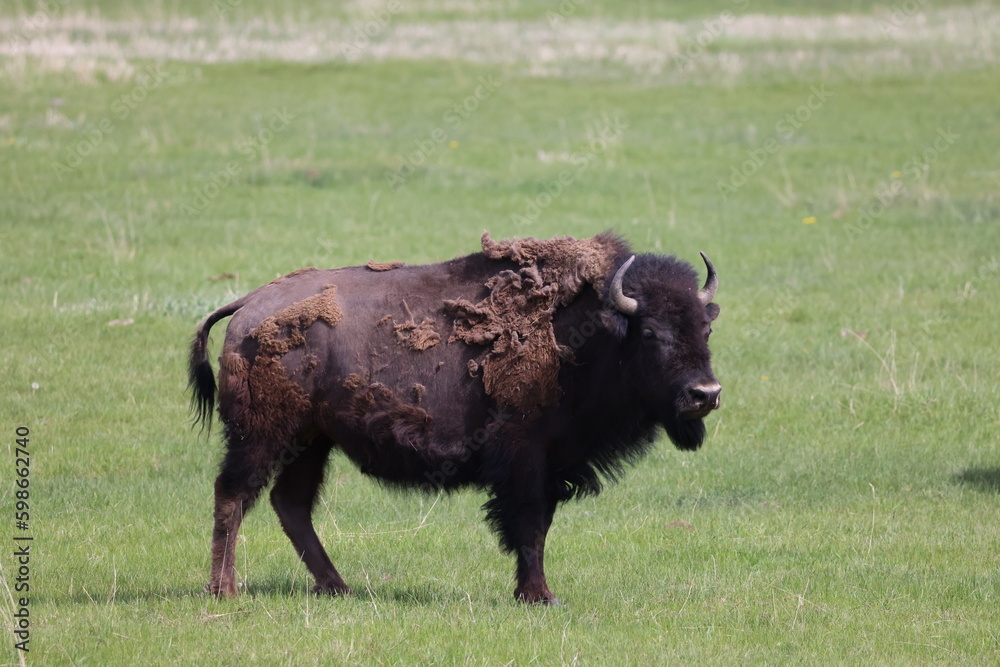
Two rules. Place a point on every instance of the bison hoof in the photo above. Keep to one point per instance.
(226, 589)
(331, 589)
(543, 596)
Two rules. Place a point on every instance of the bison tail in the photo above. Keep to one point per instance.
(201, 377)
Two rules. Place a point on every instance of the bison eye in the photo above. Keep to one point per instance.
(647, 334)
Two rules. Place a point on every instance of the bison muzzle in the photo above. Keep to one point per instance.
(533, 370)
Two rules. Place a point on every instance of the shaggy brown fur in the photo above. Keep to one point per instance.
(521, 369)
(565, 261)
(260, 396)
(296, 318)
(385, 419)
(384, 266)
(417, 336)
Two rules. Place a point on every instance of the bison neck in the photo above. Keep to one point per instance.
(601, 425)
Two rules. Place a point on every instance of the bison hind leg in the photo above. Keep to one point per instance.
(246, 469)
(293, 498)
(230, 508)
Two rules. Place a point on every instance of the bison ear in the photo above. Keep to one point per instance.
(615, 323)
(713, 311)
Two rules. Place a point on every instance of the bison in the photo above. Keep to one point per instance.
(533, 370)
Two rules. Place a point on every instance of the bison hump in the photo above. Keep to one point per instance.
(521, 367)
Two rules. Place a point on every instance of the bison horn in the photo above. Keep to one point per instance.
(625, 304)
(707, 293)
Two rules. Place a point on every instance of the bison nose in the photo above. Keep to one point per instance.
(704, 396)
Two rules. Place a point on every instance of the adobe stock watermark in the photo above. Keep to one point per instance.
(224, 7)
(989, 268)
(453, 119)
(289, 453)
(148, 80)
(604, 137)
(781, 302)
(886, 196)
(250, 148)
(377, 22)
(711, 30)
(784, 129)
(563, 11)
(900, 14)
(579, 335)
(438, 479)
(36, 22)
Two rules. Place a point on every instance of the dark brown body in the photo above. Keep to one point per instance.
(511, 370)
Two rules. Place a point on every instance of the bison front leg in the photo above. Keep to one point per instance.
(532, 526)
(522, 514)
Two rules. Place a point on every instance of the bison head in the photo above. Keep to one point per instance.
(664, 320)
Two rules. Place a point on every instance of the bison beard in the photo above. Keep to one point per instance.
(542, 388)
(687, 435)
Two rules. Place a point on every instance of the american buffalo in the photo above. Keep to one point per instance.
(533, 370)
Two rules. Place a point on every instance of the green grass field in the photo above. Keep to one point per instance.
(839, 162)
